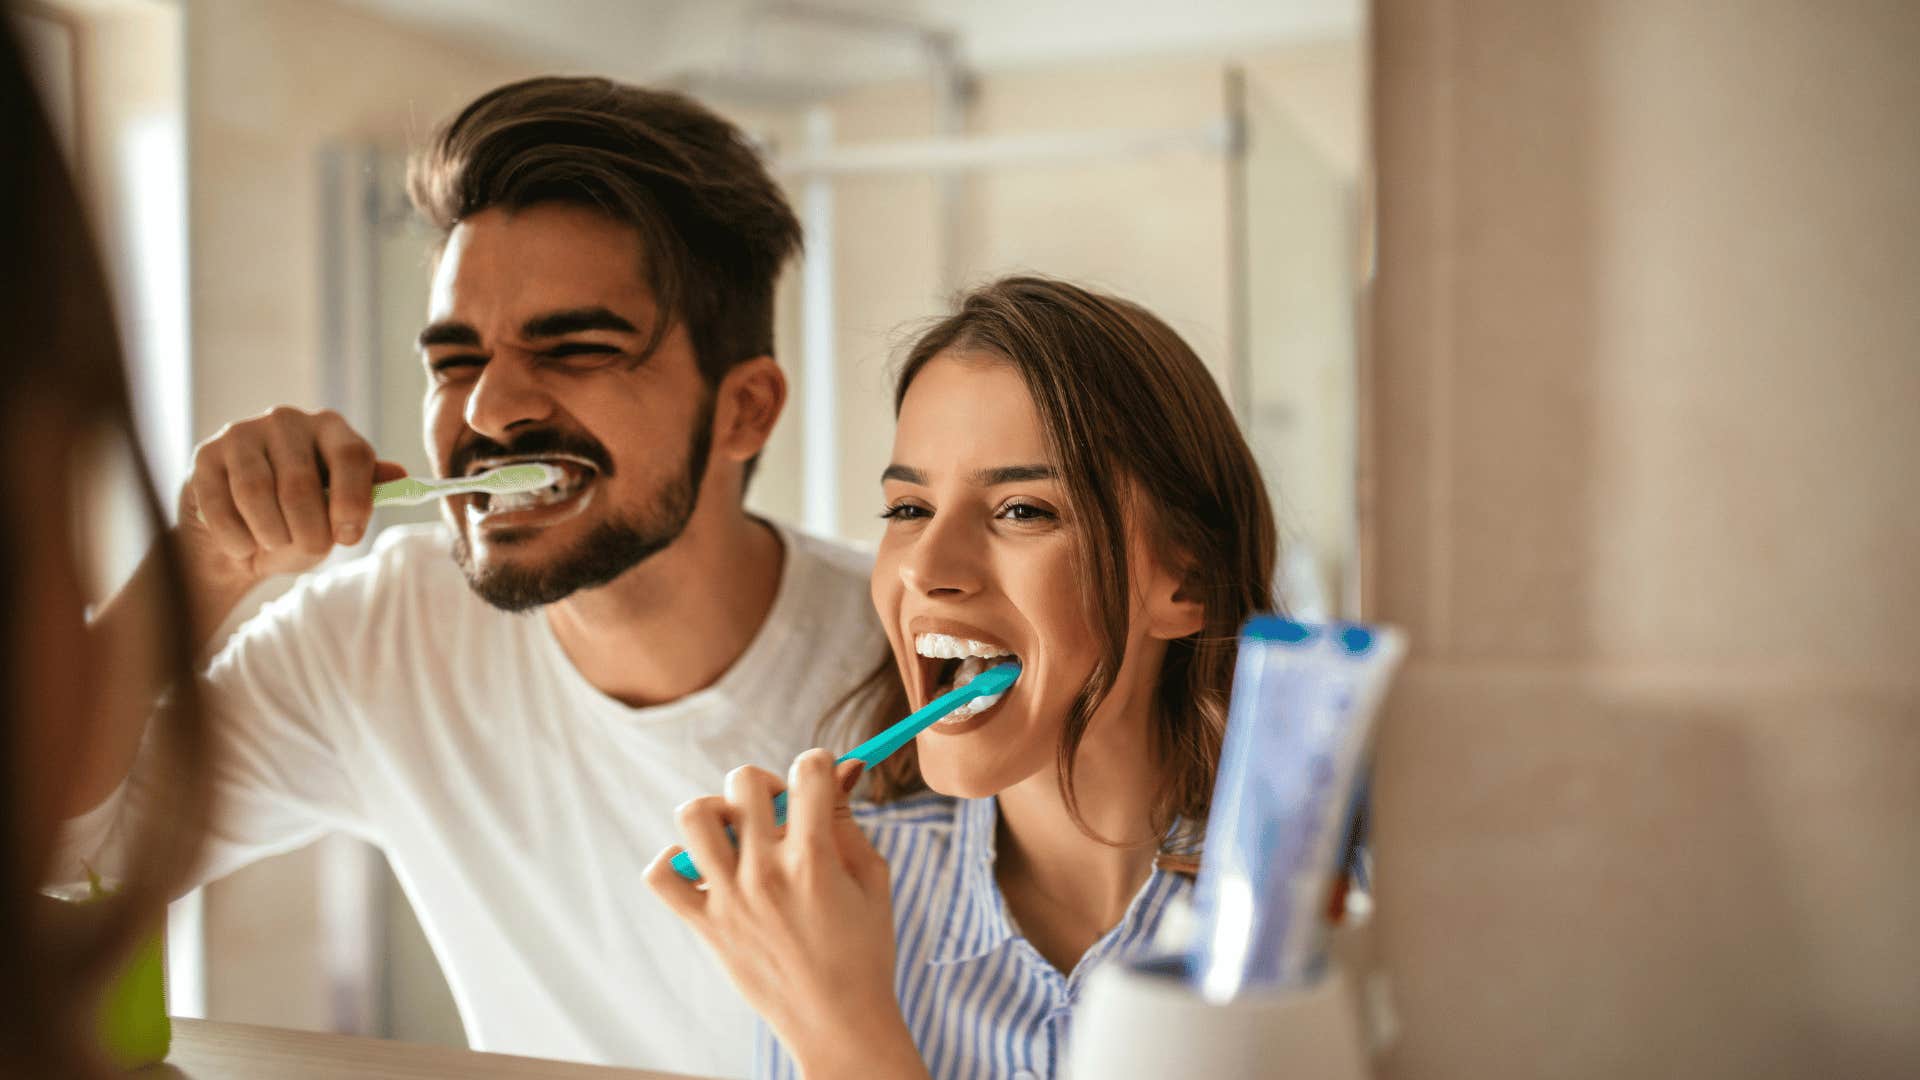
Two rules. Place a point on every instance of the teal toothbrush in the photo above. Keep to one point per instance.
(990, 683)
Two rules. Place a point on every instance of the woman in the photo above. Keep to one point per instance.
(62, 394)
(1068, 487)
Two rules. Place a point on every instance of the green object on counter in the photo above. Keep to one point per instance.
(132, 1026)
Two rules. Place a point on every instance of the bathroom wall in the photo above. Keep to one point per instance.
(1642, 406)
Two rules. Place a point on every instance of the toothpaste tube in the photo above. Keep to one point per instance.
(1304, 697)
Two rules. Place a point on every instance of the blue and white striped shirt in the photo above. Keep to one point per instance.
(979, 999)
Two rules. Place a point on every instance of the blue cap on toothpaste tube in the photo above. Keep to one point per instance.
(1298, 729)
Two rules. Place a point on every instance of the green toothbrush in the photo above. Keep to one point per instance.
(505, 480)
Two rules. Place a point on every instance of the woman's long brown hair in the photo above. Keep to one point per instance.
(64, 360)
(1143, 441)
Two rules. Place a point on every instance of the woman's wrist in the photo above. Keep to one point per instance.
(882, 1052)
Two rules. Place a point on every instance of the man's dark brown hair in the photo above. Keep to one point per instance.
(714, 228)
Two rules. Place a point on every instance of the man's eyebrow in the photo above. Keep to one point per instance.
(573, 321)
(448, 332)
(1013, 474)
(903, 473)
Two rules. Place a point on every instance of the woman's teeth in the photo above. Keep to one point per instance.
(948, 647)
(976, 706)
(974, 658)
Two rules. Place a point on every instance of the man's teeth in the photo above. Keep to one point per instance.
(948, 647)
(569, 484)
(522, 500)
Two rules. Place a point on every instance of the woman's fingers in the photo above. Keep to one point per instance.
(750, 792)
(810, 802)
(682, 896)
(703, 822)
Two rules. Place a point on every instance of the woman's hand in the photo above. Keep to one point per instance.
(801, 916)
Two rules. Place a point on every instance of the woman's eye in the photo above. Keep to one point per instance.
(905, 512)
(1027, 512)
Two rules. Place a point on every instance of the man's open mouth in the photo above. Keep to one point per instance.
(947, 662)
(577, 475)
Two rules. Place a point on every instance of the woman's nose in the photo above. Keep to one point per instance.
(945, 559)
(507, 395)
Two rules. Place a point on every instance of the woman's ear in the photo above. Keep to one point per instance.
(1173, 611)
(750, 397)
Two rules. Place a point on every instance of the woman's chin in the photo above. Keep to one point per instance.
(967, 776)
(957, 779)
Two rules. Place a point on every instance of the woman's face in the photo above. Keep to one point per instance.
(979, 560)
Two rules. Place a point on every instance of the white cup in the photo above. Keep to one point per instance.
(1135, 1023)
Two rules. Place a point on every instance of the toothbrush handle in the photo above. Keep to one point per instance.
(406, 491)
(877, 749)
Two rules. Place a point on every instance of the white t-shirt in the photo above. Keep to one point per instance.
(517, 804)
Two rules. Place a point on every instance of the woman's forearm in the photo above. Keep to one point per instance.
(129, 632)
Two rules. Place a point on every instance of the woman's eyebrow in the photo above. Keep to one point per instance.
(1000, 474)
(1012, 474)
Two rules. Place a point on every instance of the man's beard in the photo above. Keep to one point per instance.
(612, 548)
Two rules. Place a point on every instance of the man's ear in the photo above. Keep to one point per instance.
(1173, 609)
(748, 403)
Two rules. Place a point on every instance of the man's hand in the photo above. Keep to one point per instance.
(272, 495)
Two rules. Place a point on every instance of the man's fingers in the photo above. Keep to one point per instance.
(213, 503)
(296, 473)
(384, 471)
(256, 496)
(349, 463)
(703, 822)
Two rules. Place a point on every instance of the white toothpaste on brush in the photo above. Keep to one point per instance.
(1298, 731)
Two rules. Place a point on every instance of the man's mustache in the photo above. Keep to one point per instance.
(532, 443)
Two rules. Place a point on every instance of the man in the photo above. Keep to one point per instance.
(512, 706)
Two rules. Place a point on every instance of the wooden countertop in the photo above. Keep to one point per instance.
(207, 1050)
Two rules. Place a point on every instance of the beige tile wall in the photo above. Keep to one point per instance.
(1155, 229)
(269, 83)
(1645, 387)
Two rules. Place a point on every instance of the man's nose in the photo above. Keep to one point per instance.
(947, 559)
(506, 396)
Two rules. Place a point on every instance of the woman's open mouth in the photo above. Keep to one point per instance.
(532, 509)
(947, 662)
